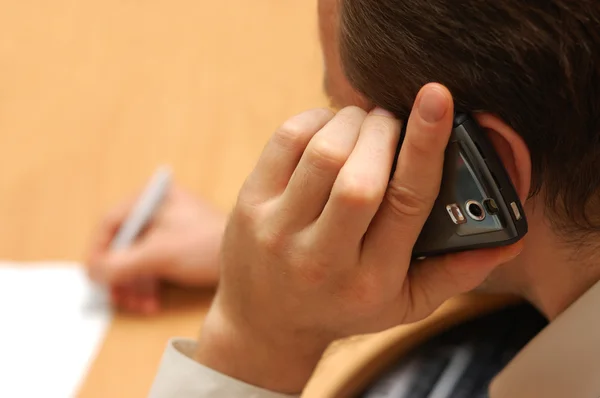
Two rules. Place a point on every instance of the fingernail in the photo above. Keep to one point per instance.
(382, 112)
(433, 105)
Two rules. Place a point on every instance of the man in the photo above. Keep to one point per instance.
(318, 246)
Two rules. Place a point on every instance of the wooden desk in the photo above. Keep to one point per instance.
(93, 95)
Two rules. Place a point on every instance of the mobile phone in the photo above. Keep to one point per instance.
(477, 206)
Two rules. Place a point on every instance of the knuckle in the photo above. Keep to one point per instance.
(419, 146)
(359, 190)
(246, 213)
(271, 241)
(324, 155)
(259, 225)
(291, 134)
(269, 231)
(381, 125)
(406, 201)
(352, 110)
(295, 132)
(350, 117)
(245, 208)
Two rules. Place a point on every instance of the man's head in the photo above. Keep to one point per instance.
(531, 71)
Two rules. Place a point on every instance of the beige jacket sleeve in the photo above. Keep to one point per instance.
(180, 376)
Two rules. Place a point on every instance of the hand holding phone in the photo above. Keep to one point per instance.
(319, 243)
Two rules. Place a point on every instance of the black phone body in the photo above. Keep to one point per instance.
(477, 206)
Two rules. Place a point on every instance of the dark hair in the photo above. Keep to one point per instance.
(533, 63)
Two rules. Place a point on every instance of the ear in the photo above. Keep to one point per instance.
(511, 149)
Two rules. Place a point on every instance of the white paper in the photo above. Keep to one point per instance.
(52, 322)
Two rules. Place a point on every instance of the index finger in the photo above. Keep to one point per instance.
(416, 181)
(282, 153)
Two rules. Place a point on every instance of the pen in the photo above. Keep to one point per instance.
(144, 209)
(139, 217)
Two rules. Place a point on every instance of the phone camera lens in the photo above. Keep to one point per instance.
(475, 210)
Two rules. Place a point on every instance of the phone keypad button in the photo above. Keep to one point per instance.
(456, 215)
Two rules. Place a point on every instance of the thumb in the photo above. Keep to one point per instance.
(122, 266)
(433, 281)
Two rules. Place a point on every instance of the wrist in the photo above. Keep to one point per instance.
(278, 364)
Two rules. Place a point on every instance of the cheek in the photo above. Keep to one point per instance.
(337, 86)
(328, 24)
(327, 10)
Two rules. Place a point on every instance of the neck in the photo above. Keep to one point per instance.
(553, 274)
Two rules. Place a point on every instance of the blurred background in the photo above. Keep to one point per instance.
(94, 95)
